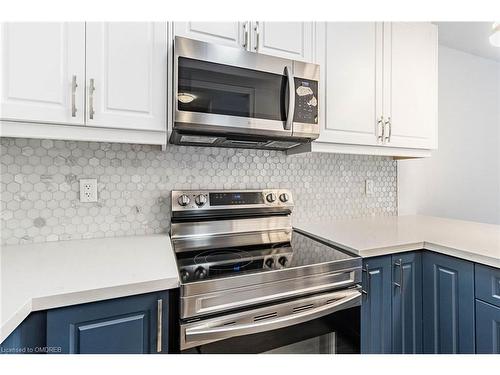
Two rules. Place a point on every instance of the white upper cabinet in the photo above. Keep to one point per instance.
(379, 88)
(291, 40)
(43, 72)
(234, 34)
(126, 76)
(107, 80)
(350, 55)
(411, 84)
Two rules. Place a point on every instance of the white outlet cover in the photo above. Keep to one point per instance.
(88, 190)
(369, 187)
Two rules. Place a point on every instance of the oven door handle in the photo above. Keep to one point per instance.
(203, 333)
(291, 98)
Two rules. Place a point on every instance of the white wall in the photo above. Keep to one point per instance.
(462, 178)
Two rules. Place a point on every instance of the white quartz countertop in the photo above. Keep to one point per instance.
(55, 274)
(476, 242)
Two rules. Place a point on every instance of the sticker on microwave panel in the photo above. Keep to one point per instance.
(304, 91)
(197, 139)
(313, 102)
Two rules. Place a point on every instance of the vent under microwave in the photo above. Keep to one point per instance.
(208, 140)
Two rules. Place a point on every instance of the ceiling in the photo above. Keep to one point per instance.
(471, 37)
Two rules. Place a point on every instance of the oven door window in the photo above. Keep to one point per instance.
(212, 88)
(337, 333)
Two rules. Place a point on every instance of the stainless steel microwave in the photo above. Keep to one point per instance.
(227, 97)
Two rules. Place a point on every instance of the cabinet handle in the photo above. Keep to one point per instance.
(159, 323)
(91, 98)
(245, 42)
(380, 129)
(367, 291)
(257, 35)
(399, 264)
(73, 96)
(388, 123)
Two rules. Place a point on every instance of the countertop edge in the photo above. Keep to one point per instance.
(39, 303)
(410, 246)
(463, 254)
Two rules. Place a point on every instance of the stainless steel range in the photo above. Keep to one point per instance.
(250, 283)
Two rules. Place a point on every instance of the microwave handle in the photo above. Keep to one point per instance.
(291, 98)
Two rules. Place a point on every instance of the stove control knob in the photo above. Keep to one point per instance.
(200, 273)
(200, 200)
(284, 197)
(183, 200)
(271, 197)
(184, 275)
(283, 261)
(270, 262)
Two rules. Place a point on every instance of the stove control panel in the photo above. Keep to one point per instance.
(197, 200)
(199, 270)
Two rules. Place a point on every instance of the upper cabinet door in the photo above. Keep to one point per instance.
(410, 83)
(290, 40)
(126, 75)
(43, 72)
(350, 54)
(235, 34)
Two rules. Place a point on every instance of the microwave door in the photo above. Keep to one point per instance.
(225, 90)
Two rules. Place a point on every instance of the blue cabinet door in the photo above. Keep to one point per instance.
(487, 328)
(130, 325)
(488, 284)
(376, 306)
(407, 303)
(28, 338)
(448, 312)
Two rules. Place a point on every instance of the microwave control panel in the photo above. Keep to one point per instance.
(306, 101)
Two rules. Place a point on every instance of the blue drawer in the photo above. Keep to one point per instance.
(488, 284)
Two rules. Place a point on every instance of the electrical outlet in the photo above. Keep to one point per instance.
(369, 187)
(88, 190)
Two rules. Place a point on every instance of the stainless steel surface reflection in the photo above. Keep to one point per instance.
(230, 97)
(238, 251)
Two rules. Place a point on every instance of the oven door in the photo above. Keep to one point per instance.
(226, 90)
(324, 323)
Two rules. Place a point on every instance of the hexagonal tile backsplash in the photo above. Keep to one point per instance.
(40, 197)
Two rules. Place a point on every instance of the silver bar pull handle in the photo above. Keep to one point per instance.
(203, 332)
(387, 123)
(291, 98)
(159, 324)
(257, 36)
(245, 41)
(380, 129)
(399, 285)
(390, 128)
(367, 291)
(73, 96)
(91, 98)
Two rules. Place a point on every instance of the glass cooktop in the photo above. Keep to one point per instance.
(301, 251)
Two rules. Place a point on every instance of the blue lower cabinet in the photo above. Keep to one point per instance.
(488, 284)
(29, 337)
(407, 303)
(129, 325)
(487, 328)
(448, 309)
(376, 326)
